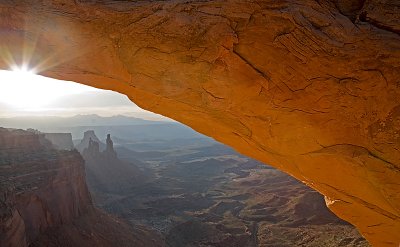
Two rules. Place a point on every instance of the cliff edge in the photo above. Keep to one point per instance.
(44, 200)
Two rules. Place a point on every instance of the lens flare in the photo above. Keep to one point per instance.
(23, 89)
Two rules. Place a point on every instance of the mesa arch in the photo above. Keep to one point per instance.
(310, 87)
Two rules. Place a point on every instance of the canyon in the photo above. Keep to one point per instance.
(309, 87)
(163, 193)
(206, 194)
(45, 201)
(104, 171)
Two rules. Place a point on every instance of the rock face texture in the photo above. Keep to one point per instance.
(40, 188)
(44, 200)
(99, 229)
(310, 87)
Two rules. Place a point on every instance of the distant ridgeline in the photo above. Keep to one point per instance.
(118, 126)
(15, 138)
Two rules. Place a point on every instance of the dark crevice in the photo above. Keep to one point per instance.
(350, 8)
(212, 95)
(364, 18)
(355, 10)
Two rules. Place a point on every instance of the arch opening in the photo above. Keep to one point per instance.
(250, 198)
(315, 94)
(25, 93)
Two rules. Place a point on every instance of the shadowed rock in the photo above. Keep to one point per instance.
(105, 172)
(44, 200)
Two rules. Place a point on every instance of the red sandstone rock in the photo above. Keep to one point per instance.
(44, 200)
(13, 230)
(40, 187)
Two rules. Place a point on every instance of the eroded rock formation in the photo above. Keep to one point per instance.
(89, 139)
(40, 187)
(310, 87)
(105, 172)
(110, 147)
(44, 200)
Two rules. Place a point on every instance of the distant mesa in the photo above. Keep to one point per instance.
(61, 141)
(87, 136)
(30, 140)
(105, 172)
(93, 148)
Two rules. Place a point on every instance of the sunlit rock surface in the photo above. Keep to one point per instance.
(310, 87)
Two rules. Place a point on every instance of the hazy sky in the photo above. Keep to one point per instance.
(25, 94)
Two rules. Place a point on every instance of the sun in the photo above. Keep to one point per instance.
(22, 89)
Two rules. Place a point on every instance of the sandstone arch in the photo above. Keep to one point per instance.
(311, 87)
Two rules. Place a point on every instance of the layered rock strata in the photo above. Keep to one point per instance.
(44, 200)
(40, 188)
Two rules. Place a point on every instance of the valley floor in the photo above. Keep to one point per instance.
(209, 195)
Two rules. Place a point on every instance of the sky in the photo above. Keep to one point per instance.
(22, 93)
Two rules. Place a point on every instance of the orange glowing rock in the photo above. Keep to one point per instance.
(310, 87)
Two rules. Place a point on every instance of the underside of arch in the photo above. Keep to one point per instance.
(310, 87)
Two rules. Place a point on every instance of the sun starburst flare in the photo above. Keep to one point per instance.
(23, 89)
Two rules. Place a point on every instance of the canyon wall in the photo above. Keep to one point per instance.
(310, 87)
(15, 141)
(44, 200)
(40, 188)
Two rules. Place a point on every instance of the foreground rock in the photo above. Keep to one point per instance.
(43, 195)
(311, 87)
